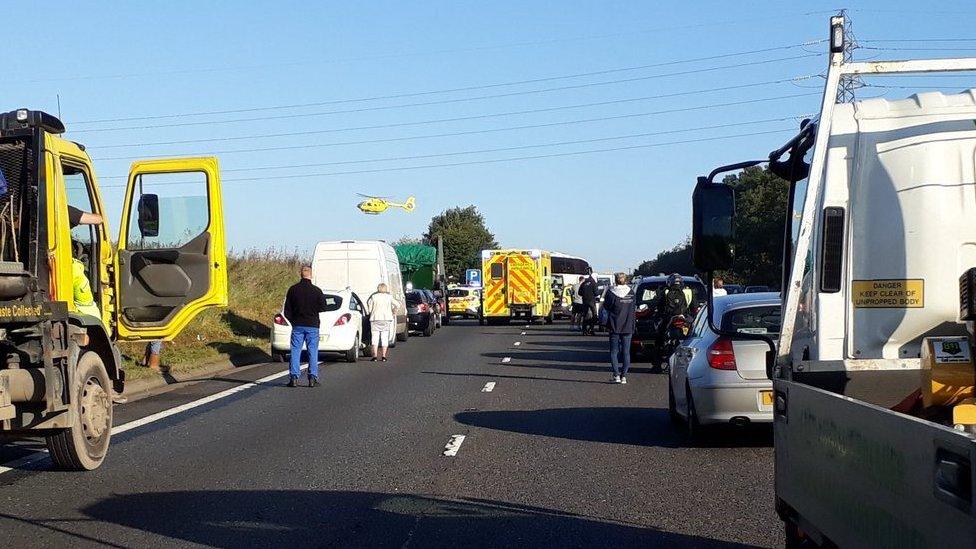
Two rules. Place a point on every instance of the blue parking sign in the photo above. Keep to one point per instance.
(472, 277)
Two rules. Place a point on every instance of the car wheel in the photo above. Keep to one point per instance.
(352, 355)
(83, 445)
(672, 406)
(429, 329)
(404, 335)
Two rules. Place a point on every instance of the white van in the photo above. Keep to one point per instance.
(361, 265)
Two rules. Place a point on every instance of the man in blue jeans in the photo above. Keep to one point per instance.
(303, 303)
(621, 307)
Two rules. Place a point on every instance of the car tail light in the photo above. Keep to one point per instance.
(343, 320)
(643, 312)
(721, 356)
(280, 320)
(678, 322)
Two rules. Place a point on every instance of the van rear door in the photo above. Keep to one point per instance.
(171, 262)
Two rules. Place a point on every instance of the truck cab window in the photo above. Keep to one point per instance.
(183, 210)
(84, 236)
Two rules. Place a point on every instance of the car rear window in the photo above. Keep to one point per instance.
(457, 293)
(753, 320)
(414, 298)
(646, 292)
(332, 302)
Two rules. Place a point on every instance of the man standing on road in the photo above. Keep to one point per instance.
(718, 287)
(587, 291)
(303, 303)
(382, 320)
(621, 307)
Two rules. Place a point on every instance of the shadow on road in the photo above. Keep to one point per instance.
(288, 518)
(613, 425)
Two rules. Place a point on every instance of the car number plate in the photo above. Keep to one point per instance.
(766, 397)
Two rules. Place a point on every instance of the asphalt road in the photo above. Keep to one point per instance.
(553, 456)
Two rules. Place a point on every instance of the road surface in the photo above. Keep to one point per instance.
(552, 455)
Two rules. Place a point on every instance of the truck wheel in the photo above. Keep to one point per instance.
(403, 336)
(549, 318)
(83, 446)
(278, 357)
(352, 355)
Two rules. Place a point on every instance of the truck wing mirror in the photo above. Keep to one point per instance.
(713, 225)
(148, 208)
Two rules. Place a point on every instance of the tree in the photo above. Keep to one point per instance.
(675, 260)
(464, 235)
(760, 217)
(407, 239)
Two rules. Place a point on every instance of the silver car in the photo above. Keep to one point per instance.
(714, 379)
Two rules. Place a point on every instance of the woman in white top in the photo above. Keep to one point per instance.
(382, 317)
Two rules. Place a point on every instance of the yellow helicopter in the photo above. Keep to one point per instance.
(375, 205)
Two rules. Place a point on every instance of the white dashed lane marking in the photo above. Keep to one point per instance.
(506, 360)
(516, 344)
(453, 445)
(489, 387)
(523, 333)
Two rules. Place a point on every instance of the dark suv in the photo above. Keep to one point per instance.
(421, 312)
(645, 330)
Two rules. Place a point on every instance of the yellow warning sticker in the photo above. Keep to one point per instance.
(889, 294)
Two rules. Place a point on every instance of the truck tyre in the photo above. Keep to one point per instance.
(277, 356)
(402, 336)
(352, 355)
(83, 446)
(549, 318)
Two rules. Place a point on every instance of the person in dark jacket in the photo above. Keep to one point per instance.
(621, 307)
(303, 303)
(588, 293)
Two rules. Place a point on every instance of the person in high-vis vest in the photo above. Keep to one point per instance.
(81, 290)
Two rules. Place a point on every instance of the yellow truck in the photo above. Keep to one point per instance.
(67, 294)
(517, 284)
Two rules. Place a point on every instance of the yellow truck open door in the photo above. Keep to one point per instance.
(522, 280)
(171, 260)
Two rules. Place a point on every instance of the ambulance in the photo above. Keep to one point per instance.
(517, 284)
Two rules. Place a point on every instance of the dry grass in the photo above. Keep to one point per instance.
(257, 283)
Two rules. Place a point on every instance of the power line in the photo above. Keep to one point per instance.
(461, 118)
(489, 161)
(448, 134)
(446, 101)
(901, 40)
(727, 22)
(499, 149)
(452, 90)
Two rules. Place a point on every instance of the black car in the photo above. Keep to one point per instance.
(645, 330)
(421, 312)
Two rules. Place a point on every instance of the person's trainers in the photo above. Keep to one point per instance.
(383, 359)
(374, 359)
(614, 379)
(293, 381)
(313, 381)
(623, 380)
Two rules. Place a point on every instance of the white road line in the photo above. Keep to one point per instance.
(453, 445)
(489, 387)
(119, 429)
(523, 333)
(506, 360)
(516, 344)
(526, 326)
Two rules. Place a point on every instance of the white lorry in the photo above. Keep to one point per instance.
(885, 195)
(361, 265)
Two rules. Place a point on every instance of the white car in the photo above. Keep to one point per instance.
(714, 379)
(342, 328)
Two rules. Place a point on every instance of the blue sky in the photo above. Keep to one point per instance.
(139, 59)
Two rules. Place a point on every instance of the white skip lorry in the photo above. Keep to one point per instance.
(873, 372)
